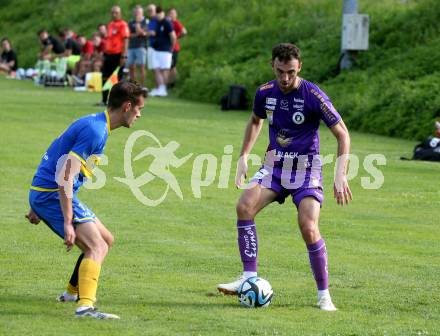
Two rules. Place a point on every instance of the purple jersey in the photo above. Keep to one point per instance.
(294, 117)
(292, 160)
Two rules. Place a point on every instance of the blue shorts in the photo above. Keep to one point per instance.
(47, 206)
(137, 56)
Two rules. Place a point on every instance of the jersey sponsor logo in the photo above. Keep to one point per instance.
(266, 86)
(318, 95)
(269, 114)
(260, 174)
(298, 107)
(298, 100)
(271, 101)
(270, 107)
(324, 106)
(290, 155)
(328, 113)
(283, 139)
(298, 118)
(284, 104)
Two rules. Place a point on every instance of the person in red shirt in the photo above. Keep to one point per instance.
(99, 40)
(116, 49)
(85, 63)
(102, 33)
(180, 31)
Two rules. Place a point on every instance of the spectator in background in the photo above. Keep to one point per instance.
(72, 48)
(137, 45)
(116, 49)
(98, 52)
(180, 31)
(152, 24)
(164, 42)
(100, 43)
(85, 63)
(103, 34)
(8, 61)
(50, 46)
(71, 45)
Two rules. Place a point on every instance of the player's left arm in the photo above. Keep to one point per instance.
(342, 191)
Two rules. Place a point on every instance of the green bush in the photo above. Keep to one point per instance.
(392, 89)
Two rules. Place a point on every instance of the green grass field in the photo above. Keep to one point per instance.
(161, 275)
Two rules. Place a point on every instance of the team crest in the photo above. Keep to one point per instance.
(298, 118)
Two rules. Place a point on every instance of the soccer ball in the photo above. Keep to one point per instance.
(255, 292)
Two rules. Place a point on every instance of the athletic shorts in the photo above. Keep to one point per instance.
(162, 60)
(310, 187)
(150, 52)
(47, 206)
(137, 56)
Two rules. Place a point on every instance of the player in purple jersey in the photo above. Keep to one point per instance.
(294, 108)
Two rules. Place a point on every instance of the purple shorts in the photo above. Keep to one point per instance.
(306, 186)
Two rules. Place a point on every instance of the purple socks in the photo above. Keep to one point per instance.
(318, 262)
(248, 244)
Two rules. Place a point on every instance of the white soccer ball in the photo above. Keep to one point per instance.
(255, 292)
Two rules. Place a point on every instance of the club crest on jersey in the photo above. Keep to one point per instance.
(298, 118)
(283, 139)
(284, 104)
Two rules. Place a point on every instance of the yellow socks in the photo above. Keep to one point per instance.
(88, 276)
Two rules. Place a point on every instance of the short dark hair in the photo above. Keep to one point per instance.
(125, 91)
(159, 9)
(41, 31)
(5, 39)
(286, 52)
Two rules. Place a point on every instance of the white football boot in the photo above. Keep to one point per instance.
(93, 312)
(232, 287)
(325, 302)
(66, 297)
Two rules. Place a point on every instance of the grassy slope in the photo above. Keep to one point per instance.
(390, 92)
(161, 275)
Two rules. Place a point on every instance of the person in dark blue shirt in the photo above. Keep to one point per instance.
(164, 41)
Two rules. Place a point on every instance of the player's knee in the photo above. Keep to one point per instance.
(99, 248)
(310, 231)
(245, 210)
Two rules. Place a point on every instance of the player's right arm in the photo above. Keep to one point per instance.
(251, 133)
(65, 178)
